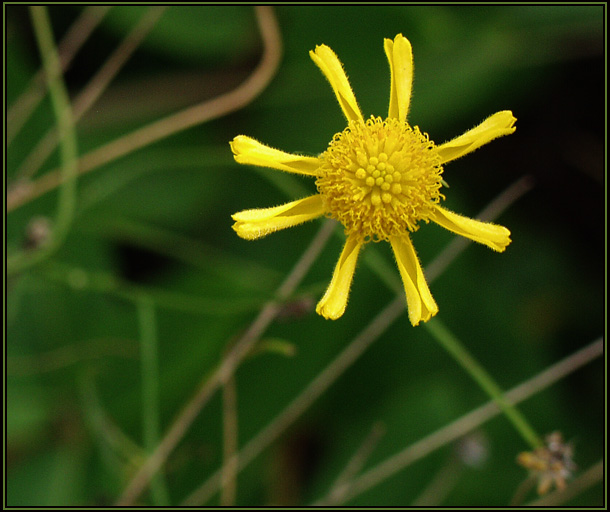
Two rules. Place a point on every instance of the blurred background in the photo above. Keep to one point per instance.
(151, 257)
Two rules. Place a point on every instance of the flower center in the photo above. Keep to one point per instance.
(379, 178)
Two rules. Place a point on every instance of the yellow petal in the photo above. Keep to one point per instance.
(492, 235)
(333, 304)
(420, 303)
(400, 57)
(331, 66)
(501, 123)
(249, 151)
(256, 223)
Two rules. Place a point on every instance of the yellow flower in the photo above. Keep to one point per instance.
(379, 178)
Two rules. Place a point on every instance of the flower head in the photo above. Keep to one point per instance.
(379, 178)
(550, 464)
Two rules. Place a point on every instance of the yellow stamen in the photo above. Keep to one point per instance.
(380, 178)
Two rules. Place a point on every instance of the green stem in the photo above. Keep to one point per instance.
(452, 345)
(67, 144)
(150, 391)
(106, 283)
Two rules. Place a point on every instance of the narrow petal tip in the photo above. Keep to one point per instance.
(420, 303)
(492, 235)
(415, 320)
(247, 150)
(239, 145)
(498, 125)
(320, 49)
(237, 142)
(400, 58)
(332, 305)
(329, 313)
(504, 239)
(506, 120)
(258, 222)
(332, 69)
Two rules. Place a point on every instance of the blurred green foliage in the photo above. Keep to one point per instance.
(156, 224)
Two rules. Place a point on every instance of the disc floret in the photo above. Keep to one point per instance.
(380, 178)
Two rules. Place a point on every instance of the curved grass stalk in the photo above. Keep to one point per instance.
(170, 125)
(93, 90)
(20, 111)
(68, 146)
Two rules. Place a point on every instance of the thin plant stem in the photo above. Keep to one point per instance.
(229, 434)
(334, 369)
(523, 489)
(170, 125)
(63, 357)
(147, 324)
(305, 399)
(456, 349)
(472, 420)
(20, 111)
(355, 464)
(106, 282)
(94, 89)
(68, 146)
(387, 273)
(420, 449)
(442, 483)
(492, 211)
(106, 432)
(226, 369)
(437, 328)
(189, 250)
